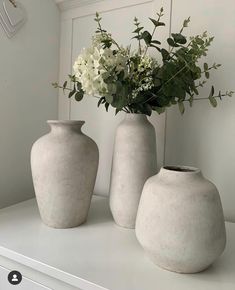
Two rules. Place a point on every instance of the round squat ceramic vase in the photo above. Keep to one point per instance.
(64, 167)
(180, 221)
(134, 161)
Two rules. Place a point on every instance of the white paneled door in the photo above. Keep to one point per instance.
(118, 19)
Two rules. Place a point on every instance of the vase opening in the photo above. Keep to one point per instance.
(59, 126)
(181, 168)
(66, 122)
(135, 117)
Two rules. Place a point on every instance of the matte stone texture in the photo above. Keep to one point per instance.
(180, 221)
(134, 161)
(64, 166)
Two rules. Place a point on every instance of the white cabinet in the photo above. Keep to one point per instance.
(98, 255)
(25, 284)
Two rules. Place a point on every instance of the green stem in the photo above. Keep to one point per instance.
(114, 42)
(68, 89)
(147, 47)
(64, 89)
(199, 99)
(102, 32)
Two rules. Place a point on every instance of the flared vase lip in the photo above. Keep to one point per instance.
(136, 116)
(127, 113)
(66, 122)
(181, 169)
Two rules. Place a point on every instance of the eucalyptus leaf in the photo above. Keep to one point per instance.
(179, 38)
(171, 42)
(101, 101)
(117, 111)
(165, 54)
(157, 23)
(146, 36)
(212, 92)
(107, 106)
(156, 42)
(205, 66)
(181, 107)
(65, 84)
(213, 101)
(191, 101)
(137, 30)
(72, 93)
(79, 96)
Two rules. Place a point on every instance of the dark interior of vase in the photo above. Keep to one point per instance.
(179, 169)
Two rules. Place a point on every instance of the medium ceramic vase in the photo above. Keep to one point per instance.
(64, 167)
(134, 161)
(180, 221)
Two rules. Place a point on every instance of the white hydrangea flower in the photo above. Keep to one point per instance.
(99, 37)
(94, 65)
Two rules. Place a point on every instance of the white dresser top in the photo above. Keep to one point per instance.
(99, 254)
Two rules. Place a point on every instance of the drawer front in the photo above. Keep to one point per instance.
(25, 284)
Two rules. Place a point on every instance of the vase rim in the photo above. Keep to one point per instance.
(66, 122)
(181, 169)
(136, 114)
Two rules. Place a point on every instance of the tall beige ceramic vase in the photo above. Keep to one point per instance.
(180, 221)
(134, 161)
(64, 167)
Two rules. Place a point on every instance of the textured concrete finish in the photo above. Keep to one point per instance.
(64, 167)
(134, 161)
(180, 221)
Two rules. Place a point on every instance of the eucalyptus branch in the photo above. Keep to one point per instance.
(138, 29)
(214, 66)
(227, 94)
(103, 31)
(56, 85)
(201, 84)
(154, 29)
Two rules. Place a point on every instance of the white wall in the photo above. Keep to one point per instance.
(28, 64)
(204, 136)
(77, 28)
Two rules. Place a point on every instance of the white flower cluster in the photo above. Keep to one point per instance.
(98, 38)
(143, 76)
(95, 65)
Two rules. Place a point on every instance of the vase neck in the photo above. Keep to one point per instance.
(58, 126)
(135, 117)
(179, 173)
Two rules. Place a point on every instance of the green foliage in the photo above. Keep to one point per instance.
(179, 38)
(173, 82)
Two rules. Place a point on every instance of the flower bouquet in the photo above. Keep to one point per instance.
(132, 81)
